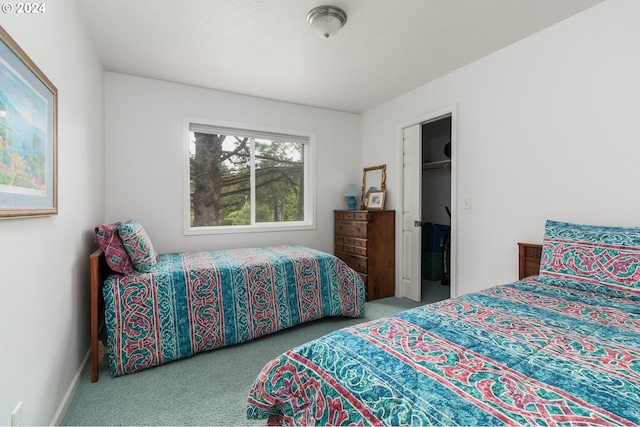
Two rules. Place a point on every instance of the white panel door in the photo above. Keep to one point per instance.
(411, 212)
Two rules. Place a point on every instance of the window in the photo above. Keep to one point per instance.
(243, 178)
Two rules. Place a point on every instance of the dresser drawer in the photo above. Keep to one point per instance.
(360, 243)
(353, 250)
(351, 228)
(356, 250)
(360, 216)
(360, 250)
(358, 263)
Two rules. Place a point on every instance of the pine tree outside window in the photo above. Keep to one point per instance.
(243, 178)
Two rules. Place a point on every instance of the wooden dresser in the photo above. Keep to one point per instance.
(366, 241)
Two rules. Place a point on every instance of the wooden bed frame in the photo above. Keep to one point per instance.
(529, 255)
(99, 272)
(528, 262)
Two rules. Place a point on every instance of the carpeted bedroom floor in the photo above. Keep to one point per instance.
(210, 388)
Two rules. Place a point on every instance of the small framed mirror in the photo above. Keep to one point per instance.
(373, 179)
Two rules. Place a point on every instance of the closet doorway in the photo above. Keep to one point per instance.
(436, 208)
(428, 249)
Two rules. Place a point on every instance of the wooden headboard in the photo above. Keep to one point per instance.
(529, 255)
(99, 272)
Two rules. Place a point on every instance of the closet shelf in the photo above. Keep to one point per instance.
(442, 164)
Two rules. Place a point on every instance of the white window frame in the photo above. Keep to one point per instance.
(309, 223)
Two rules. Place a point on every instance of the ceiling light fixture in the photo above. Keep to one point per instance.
(326, 20)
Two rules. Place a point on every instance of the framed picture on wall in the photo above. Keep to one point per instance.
(28, 135)
(376, 200)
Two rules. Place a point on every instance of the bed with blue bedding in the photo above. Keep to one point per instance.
(558, 348)
(176, 305)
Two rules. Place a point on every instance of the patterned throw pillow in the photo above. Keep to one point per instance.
(606, 257)
(138, 246)
(114, 252)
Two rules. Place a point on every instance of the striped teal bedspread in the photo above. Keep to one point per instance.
(193, 302)
(527, 353)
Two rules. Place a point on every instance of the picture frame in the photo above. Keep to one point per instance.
(376, 200)
(28, 135)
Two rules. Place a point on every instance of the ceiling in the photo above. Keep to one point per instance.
(265, 48)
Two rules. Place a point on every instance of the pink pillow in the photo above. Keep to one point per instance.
(114, 251)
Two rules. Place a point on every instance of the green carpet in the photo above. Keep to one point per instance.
(209, 388)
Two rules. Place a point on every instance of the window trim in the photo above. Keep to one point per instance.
(309, 178)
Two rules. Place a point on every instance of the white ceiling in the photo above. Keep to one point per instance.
(265, 48)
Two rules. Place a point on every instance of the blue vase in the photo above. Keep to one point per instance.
(352, 202)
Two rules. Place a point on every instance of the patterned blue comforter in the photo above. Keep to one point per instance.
(528, 353)
(194, 302)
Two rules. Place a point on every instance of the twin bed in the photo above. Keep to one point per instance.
(161, 308)
(558, 348)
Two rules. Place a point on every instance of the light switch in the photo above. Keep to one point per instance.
(466, 202)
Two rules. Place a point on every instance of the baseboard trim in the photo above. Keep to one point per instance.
(71, 391)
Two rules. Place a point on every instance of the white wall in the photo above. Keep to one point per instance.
(547, 128)
(144, 157)
(44, 312)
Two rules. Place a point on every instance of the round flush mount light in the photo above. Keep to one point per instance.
(326, 20)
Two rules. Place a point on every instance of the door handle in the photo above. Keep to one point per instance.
(419, 223)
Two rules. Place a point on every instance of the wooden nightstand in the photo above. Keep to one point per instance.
(366, 241)
(529, 255)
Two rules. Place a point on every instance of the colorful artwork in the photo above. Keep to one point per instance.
(28, 135)
(23, 132)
